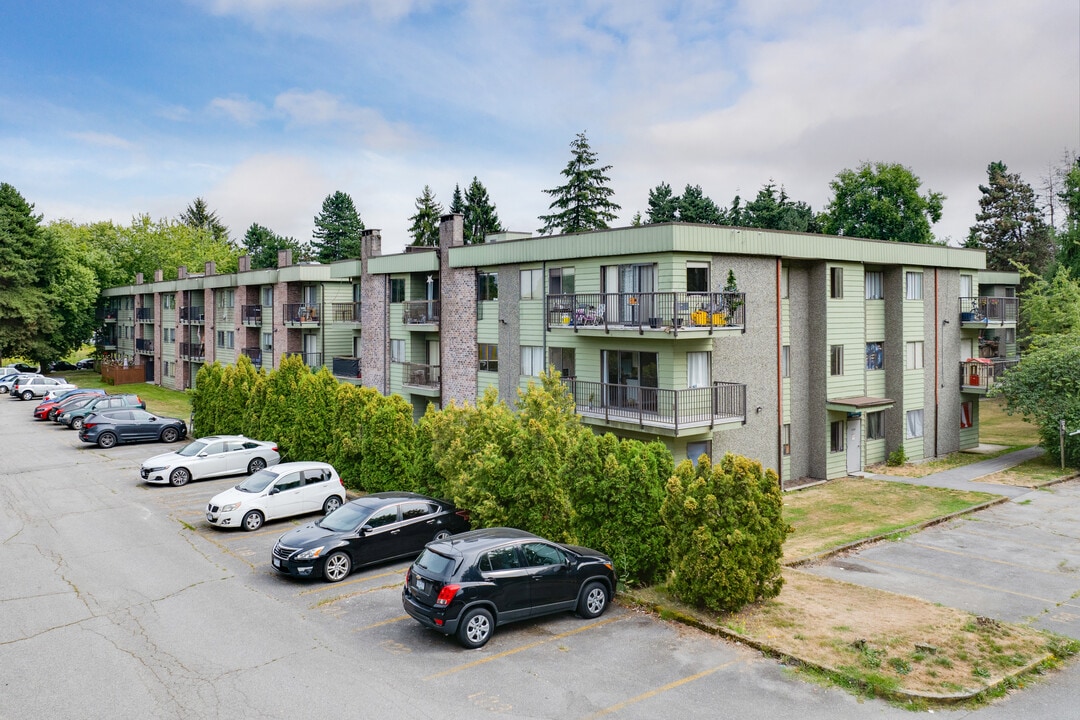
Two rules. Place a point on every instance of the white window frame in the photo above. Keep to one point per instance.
(836, 282)
(532, 284)
(836, 360)
(914, 350)
(913, 285)
(913, 426)
(267, 341)
(872, 419)
(785, 361)
(837, 436)
(397, 351)
(532, 360)
(875, 285)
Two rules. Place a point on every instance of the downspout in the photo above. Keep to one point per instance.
(937, 362)
(779, 377)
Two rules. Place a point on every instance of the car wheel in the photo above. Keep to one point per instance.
(169, 434)
(106, 440)
(256, 465)
(252, 521)
(441, 535)
(52, 414)
(179, 476)
(338, 566)
(332, 503)
(475, 629)
(76, 423)
(594, 600)
(28, 395)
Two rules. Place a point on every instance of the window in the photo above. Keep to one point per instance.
(397, 290)
(914, 355)
(268, 341)
(967, 283)
(488, 355)
(532, 359)
(532, 284)
(836, 282)
(694, 450)
(168, 335)
(226, 298)
(504, 558)
(561, 281)
(836, 436)
(836, 360)
(875, 285)
(784, 281)
(875, 427)
(875, 355)
(697, 277)
(914, 423)
(168, 302)
(698, 369)
(225, 338)
(487, 286)
(562, 359)
(966, 414)
(1010, 336)
(785, 439)
(415, 509)
(267, 296)
(540, 554)
(379, 518)
(397, 351)
(785, 361)
(167, 369)
(913, 283)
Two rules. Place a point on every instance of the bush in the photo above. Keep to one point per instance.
(897, 457)
(727, 533)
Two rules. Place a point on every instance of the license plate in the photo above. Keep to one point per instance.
(277, 563)
(420, 584)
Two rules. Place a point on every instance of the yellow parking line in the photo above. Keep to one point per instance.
(507, 653)
(365, 578)
(391, 621)
(953, 578)
(664, 688)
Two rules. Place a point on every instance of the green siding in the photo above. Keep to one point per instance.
(845, 327)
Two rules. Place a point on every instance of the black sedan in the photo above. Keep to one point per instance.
(468, 584)
(62, 366)
(123, 425)
(372, 529)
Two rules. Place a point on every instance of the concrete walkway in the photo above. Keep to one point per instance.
(963, 478)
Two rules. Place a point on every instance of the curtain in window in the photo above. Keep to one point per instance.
(914, 423)
(914, 286)
(697, 369)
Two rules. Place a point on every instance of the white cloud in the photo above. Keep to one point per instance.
(281, 192)
(105, 140)
(242, 110)
(320, 108)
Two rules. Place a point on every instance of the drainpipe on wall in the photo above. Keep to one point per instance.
(779, 377)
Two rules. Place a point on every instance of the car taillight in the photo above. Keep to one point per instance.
(446, 595)
(89, 425)
(464, 515)
(408, 574)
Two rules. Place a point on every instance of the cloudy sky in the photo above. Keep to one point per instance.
(110, 109)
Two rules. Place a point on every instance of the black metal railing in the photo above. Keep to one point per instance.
(108, 314)
(667, 311)
(144, 345)
(251, 314)
(254, 354)
(302, 313)
(420, 312)
(980, 374)
(987, 310)
(144, 314)
(660, 407)
(311, 359)
(346, 312)
(193, 314)
(191, 351)
(419, 375)
(346, 367)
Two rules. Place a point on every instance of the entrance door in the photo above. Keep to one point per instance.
(311, 350)
(854, 445)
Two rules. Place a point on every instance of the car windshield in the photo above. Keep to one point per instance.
(192, 449)
(346, 518)
(257, 482)
(435, 563)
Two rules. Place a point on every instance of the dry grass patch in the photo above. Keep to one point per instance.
(954, 460)
(997, 428)
(843, 511)
(1031, 473)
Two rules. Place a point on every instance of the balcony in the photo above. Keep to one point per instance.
(192, 351)
(978, 375)
(251, 315)
(108, 343)
(416, 375)
(675, 411)
(193, 315)
(346, 312)
(144, 346)
(311, 359)
(106, 314)
(420, 312)
(671, 313)
(983, 311)
(144, 315)
(254, 354)
(302, 314)
(346, 367)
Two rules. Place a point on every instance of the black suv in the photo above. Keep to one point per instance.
(472, 582)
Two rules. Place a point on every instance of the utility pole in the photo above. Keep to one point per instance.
(1061, 438)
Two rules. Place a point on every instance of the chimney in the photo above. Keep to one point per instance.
(451, 230)
(244, 263)
(284, 258)
(138, 278)
(370, 243)
(211, 267)
(181, 272)
(159, 275)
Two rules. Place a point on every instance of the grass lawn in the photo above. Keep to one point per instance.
(997, 428)
(159, 400)
(1032, 473)
(846, 510)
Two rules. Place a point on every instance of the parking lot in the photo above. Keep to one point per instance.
(119, 600)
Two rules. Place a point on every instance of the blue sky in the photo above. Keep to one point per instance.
(265, 107)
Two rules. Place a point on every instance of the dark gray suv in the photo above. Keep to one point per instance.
(73, 418)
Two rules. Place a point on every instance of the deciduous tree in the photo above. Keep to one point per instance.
(262, 245)
(584, 202)
(881, 201)
(1069, 236)
(25, 303)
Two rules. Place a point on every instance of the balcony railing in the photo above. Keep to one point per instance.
(669, 312)
(144, 345)
(346, 367)
(191, 351)
(145, 314)
(107, 314)
(658, 407)
(311, 359)
(193, 314)
(419, 375)
(254, 354)
(420, 312)
(989, 310)
(251, 314)
(980, 374)
(302, 313)
(346, 312)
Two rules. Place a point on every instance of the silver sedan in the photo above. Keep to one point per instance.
(208, 457)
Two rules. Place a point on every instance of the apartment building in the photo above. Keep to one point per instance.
(815, 355)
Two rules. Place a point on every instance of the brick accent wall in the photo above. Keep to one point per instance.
(457, 329)
(374, 317)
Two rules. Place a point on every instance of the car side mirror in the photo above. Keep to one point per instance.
(365, 530)
(274, 490)
(202, 454)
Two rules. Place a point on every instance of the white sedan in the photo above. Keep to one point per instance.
(284, 490)
(212, 456)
